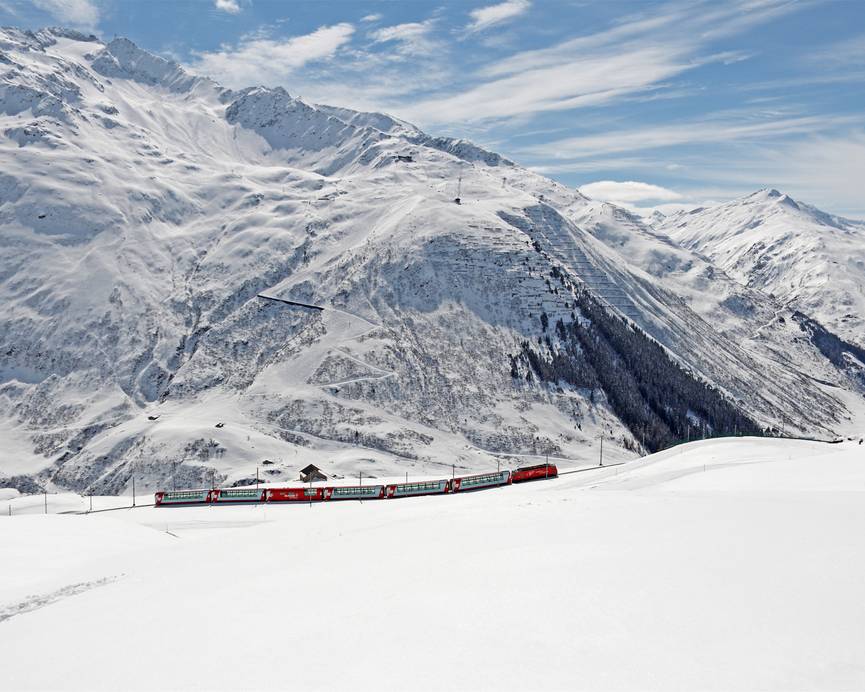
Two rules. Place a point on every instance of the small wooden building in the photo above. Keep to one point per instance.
(312, 473)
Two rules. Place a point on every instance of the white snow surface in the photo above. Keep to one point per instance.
(720, 565)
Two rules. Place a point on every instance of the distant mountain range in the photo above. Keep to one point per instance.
(197, 282)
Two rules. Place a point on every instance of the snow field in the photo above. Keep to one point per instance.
(653, 575)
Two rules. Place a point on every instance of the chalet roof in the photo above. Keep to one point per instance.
(310, 469)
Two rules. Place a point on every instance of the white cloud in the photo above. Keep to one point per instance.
(485, 17)
(573, 82)
(401, 32)
(77, 13)
(370, 18)
(628, 191)
(230, 6)
(730, 128)
(258, 59)
(412, 37)
(637, 54)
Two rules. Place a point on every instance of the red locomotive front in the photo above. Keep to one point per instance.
(532, 473)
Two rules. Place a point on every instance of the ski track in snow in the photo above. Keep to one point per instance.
(36, 602)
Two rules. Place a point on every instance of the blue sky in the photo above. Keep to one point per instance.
(646, 104)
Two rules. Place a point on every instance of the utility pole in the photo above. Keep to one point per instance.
(45, 490)
(602, 450)
(91, 499)
(133, 484)
(256, 478)
(360, 478)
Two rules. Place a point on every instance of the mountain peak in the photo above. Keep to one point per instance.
(121, 58)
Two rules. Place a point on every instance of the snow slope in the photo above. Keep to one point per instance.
(158, 232)
(804, 257)
(732, 564)
(768, 329)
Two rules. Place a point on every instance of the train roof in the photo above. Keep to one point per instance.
(535, 466)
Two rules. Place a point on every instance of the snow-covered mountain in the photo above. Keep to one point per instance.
(196, 282)
(804, 257)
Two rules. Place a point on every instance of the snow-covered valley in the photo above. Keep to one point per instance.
(720, 564)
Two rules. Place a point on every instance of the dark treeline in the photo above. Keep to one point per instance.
(659, 401)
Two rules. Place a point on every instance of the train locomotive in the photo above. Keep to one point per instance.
(249, 494)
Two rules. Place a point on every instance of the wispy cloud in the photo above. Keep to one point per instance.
(485, 17)
(575, 83)
(634, 55)
(371, 18)
(230, 6)
(412, 38)
(847, 53)
(8, 8)
(83, 14)
(734, 128)
(259, 59)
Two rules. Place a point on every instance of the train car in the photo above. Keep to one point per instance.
(480, 481)
(183, 497)
(235, 495)
(294, 494)
(533, 473)
(355, 492)
(415, 489)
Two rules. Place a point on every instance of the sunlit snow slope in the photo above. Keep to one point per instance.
(732, 564)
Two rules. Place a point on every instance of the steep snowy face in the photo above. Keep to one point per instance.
(195, 280)
(812, 260)
(731, 307)
(757, 322)
(124, 60)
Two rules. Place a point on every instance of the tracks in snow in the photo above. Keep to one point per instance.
(36, 602)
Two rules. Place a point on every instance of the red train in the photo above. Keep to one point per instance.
(481, 481)
(533, 473)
